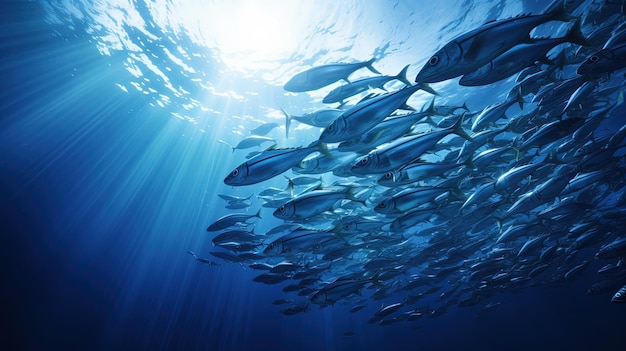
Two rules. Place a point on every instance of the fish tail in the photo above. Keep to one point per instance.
(576, 36)
(323, 149)
(519, 98)
(351, 195)
(225, 143)
(457, 128)
(287, 122)
(431, 107)
(427, 88)
(375, 279)
(402, 76)
(290, 185)
(517, 153)
(369, 66)
(258, 214)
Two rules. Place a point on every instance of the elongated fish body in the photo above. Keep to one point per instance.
(408, 199)
(519, 57)
(551, 132)
(415, 172)
(340, 288)
(263, 129)
(604, 61)
(297, 240)
(476, 48)
(365, 115)
(514, 176)
(309, 204)
(386, 131)
(324, 163)
(231, 219)
(492, 113)
(321, 76)
(358, 86)
(614, 249)
(268, 164)
(251, 141)
(620, 295)
(403, 150)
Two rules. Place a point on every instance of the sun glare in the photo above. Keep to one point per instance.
(249, 32)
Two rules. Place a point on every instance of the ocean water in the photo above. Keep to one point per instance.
(110, 170)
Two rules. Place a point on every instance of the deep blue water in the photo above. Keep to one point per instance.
(105, 187)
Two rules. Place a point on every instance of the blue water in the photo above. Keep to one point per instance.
(110, 169)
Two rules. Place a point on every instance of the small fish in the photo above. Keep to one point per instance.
(251, 141)
(321, 76)
(358, 86)
(366, 114)
(269, 164)
(231, 219)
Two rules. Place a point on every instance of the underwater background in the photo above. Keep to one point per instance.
(110, 170)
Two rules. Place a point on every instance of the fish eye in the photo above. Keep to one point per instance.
(594, 58)
(388, 175)
(433, 60)
(330, 128)
(382, 205)
(282, 208)
(235, 172)
(363, 161)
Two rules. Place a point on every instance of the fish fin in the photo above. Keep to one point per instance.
(402, 76)
(375, 280)
(323, 149)
(431, 107)
(287, 122)
(369, 66)
(225, 143)
(576, 36)
(475, 48)
(290, 185)
(427, 88)
(457, 128)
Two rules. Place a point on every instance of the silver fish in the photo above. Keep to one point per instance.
(358, 86)
(321, 76)
(269, 164)
(365, 115)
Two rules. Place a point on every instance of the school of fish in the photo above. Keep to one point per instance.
(448, 206)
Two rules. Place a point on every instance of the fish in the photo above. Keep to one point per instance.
(231, 219)
(604, 61)
(366, 114)
(342, 288)
(298, 239)
(620, 295)
(441, 216)
(358, 86)
(251, 141)
(319, 118)
(321, 76)
(403, 150)
(264, 128)
(469, 51)
(313, 203)
(519, 57)
(270, 163)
